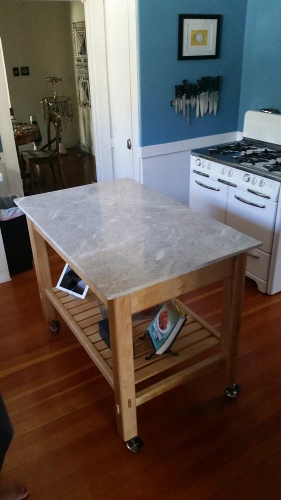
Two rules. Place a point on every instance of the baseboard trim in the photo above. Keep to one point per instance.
(89, 148)
(187, 145)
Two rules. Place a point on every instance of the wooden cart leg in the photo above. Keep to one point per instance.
(121, 338)
(231, 315)
(41, 263)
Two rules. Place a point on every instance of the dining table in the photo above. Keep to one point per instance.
(136, 248)
(25, 133)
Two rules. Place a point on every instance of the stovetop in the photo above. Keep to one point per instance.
(253, 156)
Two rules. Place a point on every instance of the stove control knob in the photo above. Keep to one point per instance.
(230, 173)
(254, 180)
(209, 166)
(198, 162)
(262, 183)
(246, 178)
(223, 171)
(203, 164)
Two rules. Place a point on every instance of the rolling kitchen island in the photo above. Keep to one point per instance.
(136, 248)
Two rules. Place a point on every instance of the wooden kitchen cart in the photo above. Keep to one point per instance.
(118, 365)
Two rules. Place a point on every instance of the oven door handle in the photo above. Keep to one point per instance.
(248, 202)
(258, 193)
(207, 187)
(201, 173)
(254, 255)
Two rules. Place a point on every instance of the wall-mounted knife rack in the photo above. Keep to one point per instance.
(202, 96)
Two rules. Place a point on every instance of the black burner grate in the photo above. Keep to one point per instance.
(258, 156)
(273, 167)
(233, 147)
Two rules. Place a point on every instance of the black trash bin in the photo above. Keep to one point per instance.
(15, 236)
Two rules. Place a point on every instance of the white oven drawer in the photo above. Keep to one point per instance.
(208, 197)
(252, 215)
(258, 263)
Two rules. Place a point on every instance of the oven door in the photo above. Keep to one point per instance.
(252, 215)
(208, 197)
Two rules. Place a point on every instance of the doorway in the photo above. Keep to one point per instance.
(38, 43)
(97, 30)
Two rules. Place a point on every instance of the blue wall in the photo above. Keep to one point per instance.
(160, 70)
(261, 77)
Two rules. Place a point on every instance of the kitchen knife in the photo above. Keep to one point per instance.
(176, 99)
(216, 94)
(207, 87)
(198, 93)
(184, 90)
(180, 98)
(211, 94)
(204, 92)
(188, 102)
(201, 96)
(192, 95)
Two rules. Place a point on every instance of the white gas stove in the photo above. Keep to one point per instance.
(239, 184)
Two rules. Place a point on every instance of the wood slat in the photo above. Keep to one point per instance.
(183, 376)
(88, 305)
(194, 338)
(145, 345)
(168, 360)
(83, 339)
(91, 313)
(79, 302)
(93, 320)
(200, 320)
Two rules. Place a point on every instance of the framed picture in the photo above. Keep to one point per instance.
(198, 36)
(24, 71)
(16, 71)
(71, 283)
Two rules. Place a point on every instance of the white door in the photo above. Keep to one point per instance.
(119, 85)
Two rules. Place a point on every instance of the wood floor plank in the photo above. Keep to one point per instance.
(197, 444)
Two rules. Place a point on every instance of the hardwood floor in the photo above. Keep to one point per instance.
(197, 444)
(79, 168)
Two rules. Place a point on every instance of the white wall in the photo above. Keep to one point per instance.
(38, 35)
(84, 114)
(168, 174)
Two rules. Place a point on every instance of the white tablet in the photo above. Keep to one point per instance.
(71, 283)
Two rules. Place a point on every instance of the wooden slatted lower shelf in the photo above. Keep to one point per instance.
(82, 317)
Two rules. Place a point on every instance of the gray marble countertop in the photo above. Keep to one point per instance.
(123, 236)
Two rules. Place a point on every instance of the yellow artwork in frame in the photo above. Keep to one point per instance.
(199, 37)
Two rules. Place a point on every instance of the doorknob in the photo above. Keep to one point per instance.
(129, 144)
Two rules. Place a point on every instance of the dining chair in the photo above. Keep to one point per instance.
(45, 155)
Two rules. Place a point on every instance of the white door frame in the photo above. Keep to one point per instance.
(7, 134)
(96, 45)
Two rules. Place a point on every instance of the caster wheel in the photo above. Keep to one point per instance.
(134, 444)
(55, 325)
(232, 391)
